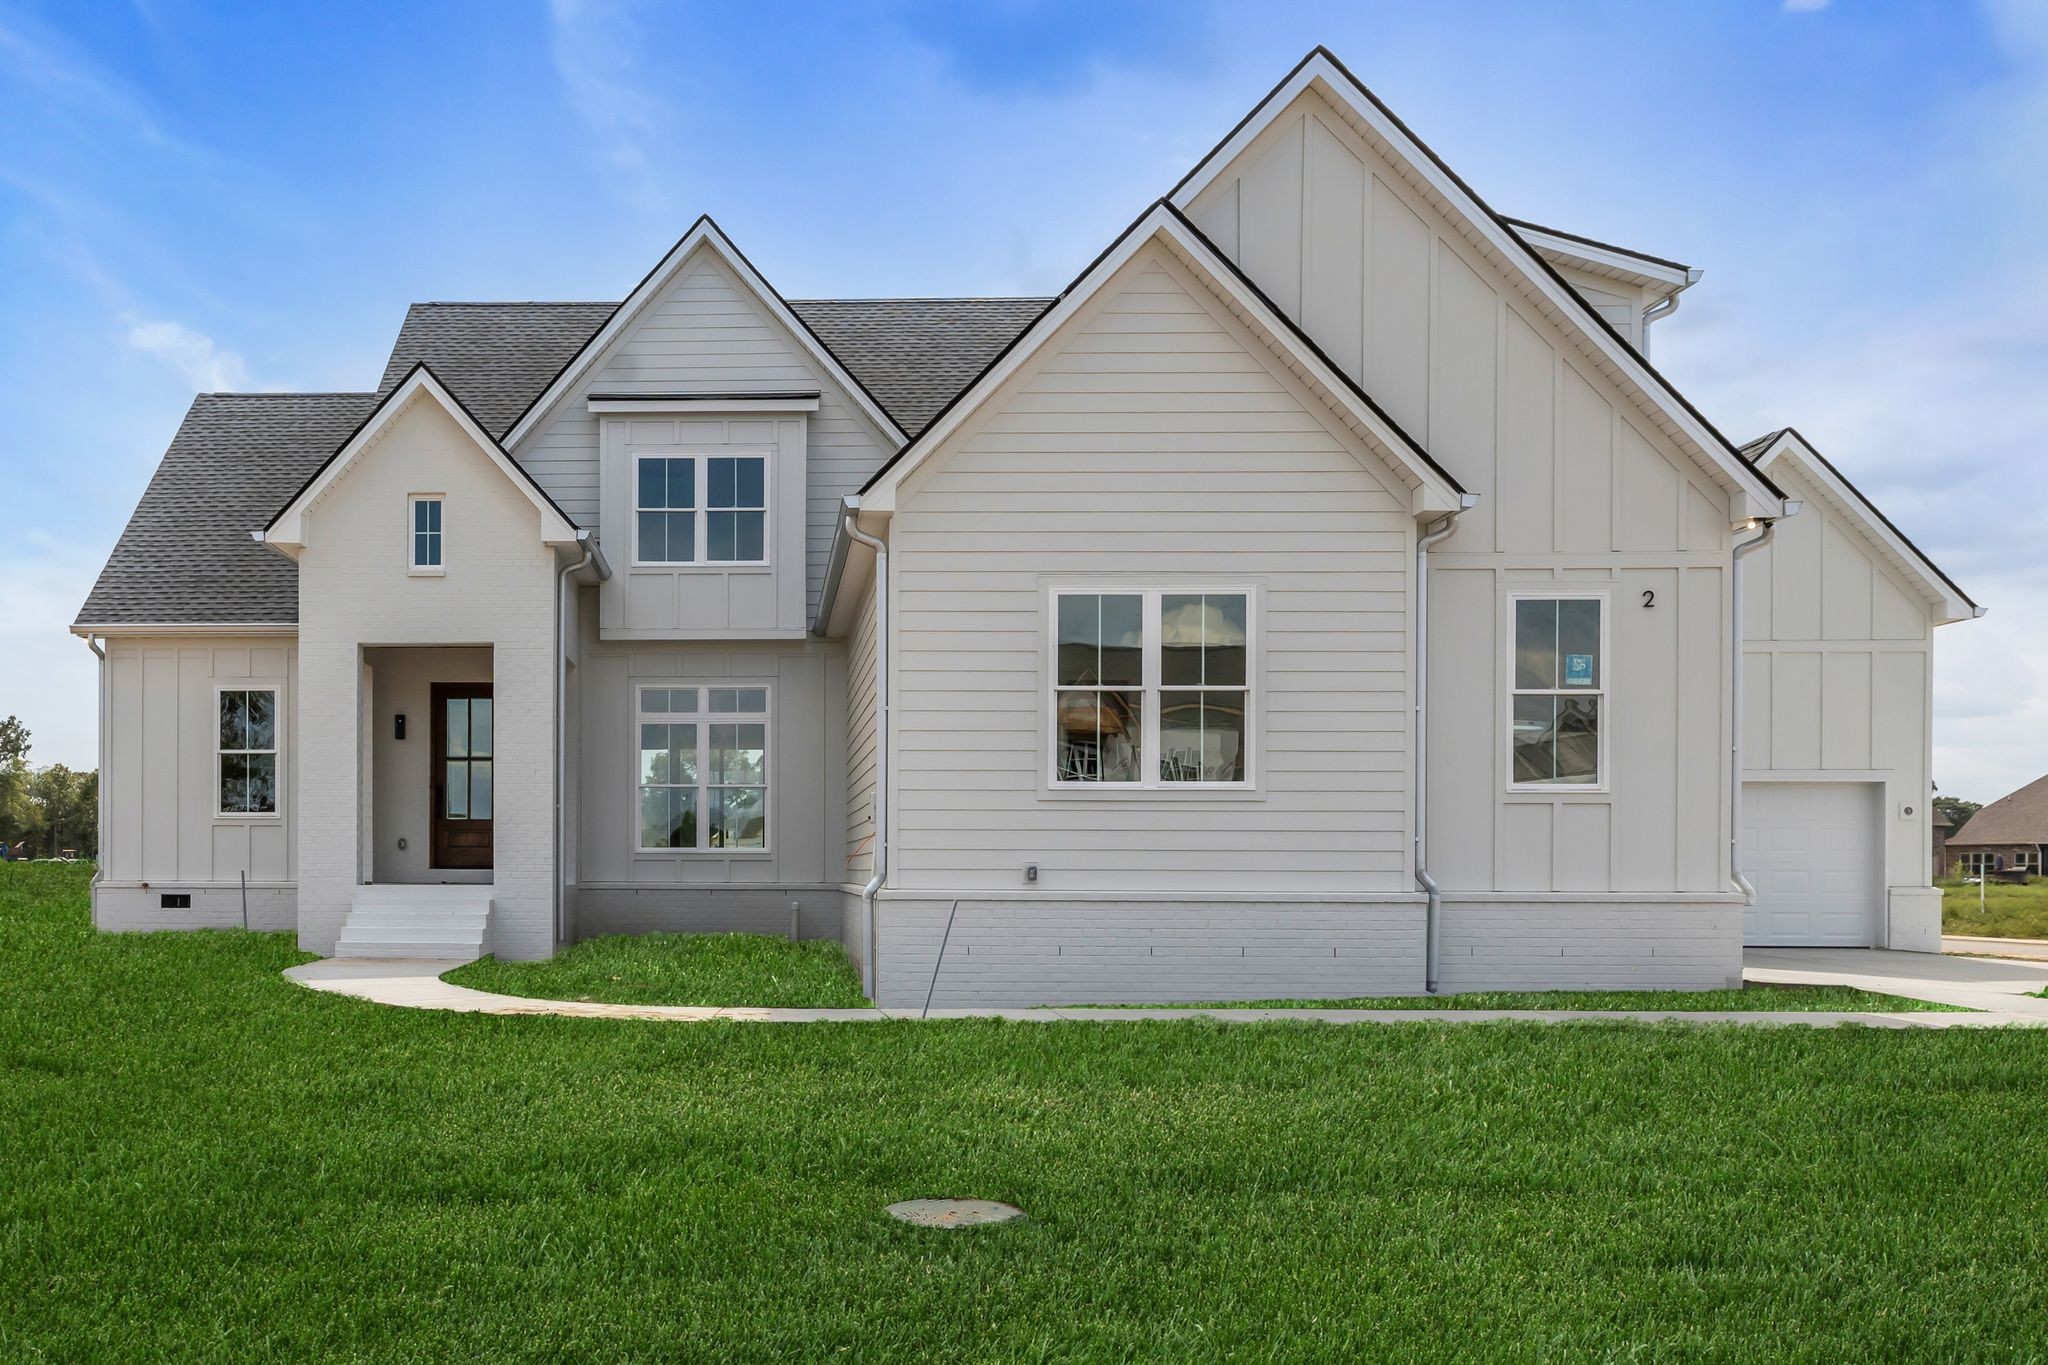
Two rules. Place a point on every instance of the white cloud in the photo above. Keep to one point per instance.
(206, 366)
(50, 680)
(598, 48)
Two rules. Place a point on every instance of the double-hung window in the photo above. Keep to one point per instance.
(1558, 691)
(700, 509)
(1151, 689)
(423, 536)
(703, 782)
(246, 751)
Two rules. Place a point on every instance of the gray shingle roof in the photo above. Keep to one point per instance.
(186, 557)
(495, 357)
(2021, 818)
(914, 355)
(1752, 451)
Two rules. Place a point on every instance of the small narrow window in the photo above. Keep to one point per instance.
(690, 509)
(426, 534)
(1151, 689)
(703, 780)
(1558, 689)
(247, 751)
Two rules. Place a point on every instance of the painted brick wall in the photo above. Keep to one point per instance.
(354, 592)
(1509, 944)
(1020, 952)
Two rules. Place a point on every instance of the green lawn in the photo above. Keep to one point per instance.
(756, 969)
(2009, 911)
(681, 969)
(205, 1162)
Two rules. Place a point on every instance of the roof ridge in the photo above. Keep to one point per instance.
(931, 298)
(514, 303)
(287, 393)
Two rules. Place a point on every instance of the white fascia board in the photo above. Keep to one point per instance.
(287, 531)
(1846, 499)
(692, 403)
(1644, 274)
(1342, 91)
(707, 235)
(1434, 491)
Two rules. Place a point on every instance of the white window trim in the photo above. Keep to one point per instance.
(704, 720)
(276, 689)
(1150, 786)
(1604, 692)
(702, 470)
(412, 566)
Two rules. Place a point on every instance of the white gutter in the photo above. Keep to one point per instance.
(592, 555)
(1664, 308)
(1742, 551)
(99, 852)
(849, 520)
(1433, 917)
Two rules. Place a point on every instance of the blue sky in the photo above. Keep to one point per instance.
(209, 196)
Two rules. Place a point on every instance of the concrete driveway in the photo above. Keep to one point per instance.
(2004, 985)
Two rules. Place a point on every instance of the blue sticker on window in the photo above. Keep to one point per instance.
(1578, 670)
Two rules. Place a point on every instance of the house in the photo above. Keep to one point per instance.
(1942, 829)
(1322, 595)
(2010, 834)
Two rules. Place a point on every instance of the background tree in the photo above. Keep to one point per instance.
(15, 814)
(65, 805)
(1956, 811)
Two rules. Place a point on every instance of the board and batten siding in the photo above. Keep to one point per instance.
(1576, 491)
(1837, 680)
(162, 736)
(1152, 443)
(709, 334)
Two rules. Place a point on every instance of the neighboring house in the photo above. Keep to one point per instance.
(1942, 829)
(1322, 595)
(2010, 834)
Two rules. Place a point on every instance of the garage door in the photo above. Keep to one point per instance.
(1810, 850)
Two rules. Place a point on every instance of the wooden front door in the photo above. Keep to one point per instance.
(464, 776)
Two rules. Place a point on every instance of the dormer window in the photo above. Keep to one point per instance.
(423, 517)
(700, 509)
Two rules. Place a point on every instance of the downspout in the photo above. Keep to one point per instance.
(1664, 308)
(99, 852)
(869, 892)
(1743, 550)
(591, 555)
(1433, 919)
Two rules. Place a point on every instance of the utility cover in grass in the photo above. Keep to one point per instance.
(953, 1213)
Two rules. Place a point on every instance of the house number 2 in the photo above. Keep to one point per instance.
(1649, 597)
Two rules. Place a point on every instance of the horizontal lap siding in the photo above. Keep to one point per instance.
(1150, 443)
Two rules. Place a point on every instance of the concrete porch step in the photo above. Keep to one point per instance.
(417, 921)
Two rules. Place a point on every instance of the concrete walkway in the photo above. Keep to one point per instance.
(1999, 990)
(1977, 946)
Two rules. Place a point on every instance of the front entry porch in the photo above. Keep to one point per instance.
(433, 774)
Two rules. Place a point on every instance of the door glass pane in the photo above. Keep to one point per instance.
(457, 803)
(738, 817)
(262, 784)
(480, 791)
(1099, 735)
(1535, 643)
(458, 727)
(480, 727)
(262, 712)
(234, 785)
(234, 720)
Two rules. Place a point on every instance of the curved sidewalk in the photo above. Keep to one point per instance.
(417, 984)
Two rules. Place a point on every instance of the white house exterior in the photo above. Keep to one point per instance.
(1321, 596)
